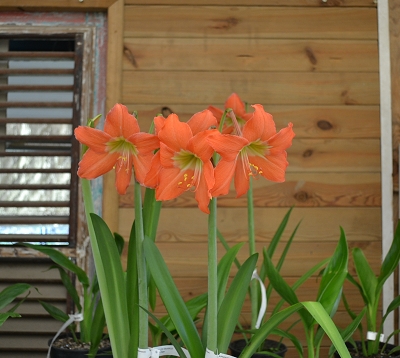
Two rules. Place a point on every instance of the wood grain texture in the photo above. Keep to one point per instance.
(114, 84)
(189, 259)
(310, 121)
(250, 22)
(189, 225)
(302, 3)
(278, 88)
(220, 54)
(300, 190)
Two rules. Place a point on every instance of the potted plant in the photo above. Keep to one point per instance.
(329, 295)
(175, 159)
(370, 287)
(88, 336)
(7, 296)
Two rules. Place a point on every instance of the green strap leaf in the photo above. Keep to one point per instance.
(228, 313)
(391, 260)
(11, 292)
(172, 300)
(112, 286)
(323, 319)
(60, 259)
(330, 288)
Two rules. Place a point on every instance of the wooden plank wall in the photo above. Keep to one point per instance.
(309, 62)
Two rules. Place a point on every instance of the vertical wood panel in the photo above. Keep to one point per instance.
(310, 63)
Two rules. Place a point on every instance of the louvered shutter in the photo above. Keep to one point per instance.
(40, 99)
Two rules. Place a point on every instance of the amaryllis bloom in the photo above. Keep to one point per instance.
(258, 150)
(184, 159)
(238, 107)
(121, 146)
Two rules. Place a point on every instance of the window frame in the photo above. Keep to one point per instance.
(78, 246)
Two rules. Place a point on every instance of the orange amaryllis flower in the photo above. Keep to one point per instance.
(238, 107)
(120, 145)
(258, 150)
(184, 160)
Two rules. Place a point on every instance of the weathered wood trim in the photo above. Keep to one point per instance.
(59, 5)
(114, 94)
(386, 148)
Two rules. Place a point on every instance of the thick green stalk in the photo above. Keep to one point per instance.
(212, 308)
(252, 250)
(142, 275)
(310, 342)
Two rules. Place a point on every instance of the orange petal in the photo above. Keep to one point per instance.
(141, 165)
(200, 146)
(175, 134)
(93, 138)
(94, 164)
(166, 155)
(236, 104)
(151, 179)
(202, 194)
(242, 177)
(260, 126)
(216, 112)
(145, 143)
(228, 146)
(158, 123)
(282, 140)
(123, 171)
(223, 176)
(273, 167)
(169, 187)
(120, 123)
(202, 121)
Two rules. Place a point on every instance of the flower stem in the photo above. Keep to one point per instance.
(141, 263)
(252, 250)
(212, 307)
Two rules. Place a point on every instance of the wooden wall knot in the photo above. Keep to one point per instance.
(332, 2)
(301, 196)
(308, 153)
(166, 111)
(129, 55)
(311, 56)
(324, 125)
(225, 24)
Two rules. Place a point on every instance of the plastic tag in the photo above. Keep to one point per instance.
(160, 351)
(263, 306)
(371, 336)
(211, 354)
(77, 317)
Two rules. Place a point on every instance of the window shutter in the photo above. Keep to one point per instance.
(40, 93)
(40, 106)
